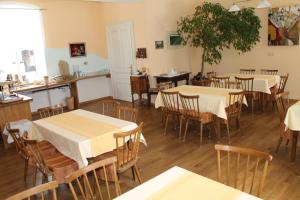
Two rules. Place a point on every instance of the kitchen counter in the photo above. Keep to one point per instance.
(33, 87)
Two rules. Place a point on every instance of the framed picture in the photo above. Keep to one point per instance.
(174, 39)
(159, 44)
(77, 49)
(283, 26)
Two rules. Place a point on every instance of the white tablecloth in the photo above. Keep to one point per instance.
(74, 145)
(23, 125)
(173, 184)
(213, 100)
(292, 118)
(261, 83)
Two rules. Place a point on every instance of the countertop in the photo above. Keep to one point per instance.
(59, 83)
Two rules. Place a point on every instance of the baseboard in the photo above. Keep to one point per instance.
(94, 100)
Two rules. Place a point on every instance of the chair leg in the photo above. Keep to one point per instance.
(149, 99)
(228, 132)
(166, 124)
(25, 169)
(133, 174)
(201, 132)
(180, 126)
(287, 142)
(132, 99)
(137, 173)
(252, 104)
(186, 127)
(238, 125)
(278, 145)
(34, 176)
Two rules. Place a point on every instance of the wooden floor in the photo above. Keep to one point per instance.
(259, 131)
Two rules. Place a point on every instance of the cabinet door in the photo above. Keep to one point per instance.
(40, 99)
(59, 95)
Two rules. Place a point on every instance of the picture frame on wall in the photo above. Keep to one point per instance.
(159, 44)
(77, 49)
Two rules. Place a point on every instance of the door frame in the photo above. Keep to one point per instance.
(109, 50)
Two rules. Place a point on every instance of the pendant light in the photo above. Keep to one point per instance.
(262, 4)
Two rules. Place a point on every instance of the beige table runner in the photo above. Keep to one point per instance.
(191, 185)
(100, 133)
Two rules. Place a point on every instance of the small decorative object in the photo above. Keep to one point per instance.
(159, 44)
(141, 53)
(283, 29)
(46, 80)
(77, 49)
(175, 39)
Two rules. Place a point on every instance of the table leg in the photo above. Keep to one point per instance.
(218, 128)
(176, 83)
(294, 146)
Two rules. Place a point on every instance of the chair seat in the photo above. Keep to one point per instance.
(61, 166)
(204, 117)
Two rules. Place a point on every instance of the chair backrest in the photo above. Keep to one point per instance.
(127, 146)
(170, 100)
(164, 85)
(221, 82)
(211, 74)
(282, 83)
(269, 71)
(35, 152)
(247, 71)
(82, 178)
(44, 112)
(282, 105)
(235, 102)
(127, 113)
(245, 84)
(243, 163)
(57, 109)
(19, 142)
(190, 105)
(109, 107)
(37, 190)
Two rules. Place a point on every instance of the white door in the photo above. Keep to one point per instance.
(121, 53)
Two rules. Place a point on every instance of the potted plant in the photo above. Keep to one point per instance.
(213, 28)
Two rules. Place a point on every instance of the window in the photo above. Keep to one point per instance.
(22, 42)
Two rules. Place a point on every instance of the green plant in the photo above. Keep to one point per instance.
(214, 28)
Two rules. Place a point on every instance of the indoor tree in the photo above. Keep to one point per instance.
(213, 28)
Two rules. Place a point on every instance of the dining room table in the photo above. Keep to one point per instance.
(80, 134)
(212, 100)
(178, 183)
(292, 122)
(261, 83)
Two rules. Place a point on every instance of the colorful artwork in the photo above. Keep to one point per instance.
(77, 49)
(283, 29)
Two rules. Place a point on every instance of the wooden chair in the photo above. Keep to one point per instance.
(234, 109)
(159, 87)
(282, 105)
(37, 191)
(44, 112)
(211, 74)
(247, 71)
(109, 107)
(127, 149)
(221, 82)
(269, 71)
(191, 111)
(171, 108)
(127, 113)
(57, 109)
(246, 84)
(279, 91)
(45, 147)
(56, 166)
(243, 163)
(82, 179)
